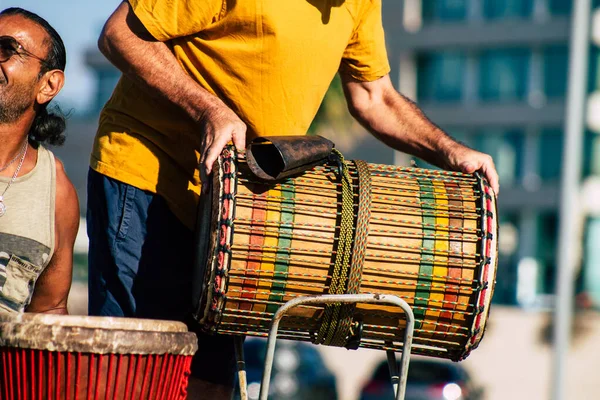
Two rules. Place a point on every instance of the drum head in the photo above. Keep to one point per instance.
(100, 335)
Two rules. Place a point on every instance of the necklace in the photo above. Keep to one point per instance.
(3, 168)
(2, 205)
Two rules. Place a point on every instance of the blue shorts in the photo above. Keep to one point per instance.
(140, 264)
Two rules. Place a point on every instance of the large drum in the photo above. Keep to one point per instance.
(426, 236)
(68, 357)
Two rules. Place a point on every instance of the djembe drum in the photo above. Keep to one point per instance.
(69, 357)
(426, 236)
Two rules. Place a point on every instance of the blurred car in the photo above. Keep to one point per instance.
(428, 379)
(299, 372)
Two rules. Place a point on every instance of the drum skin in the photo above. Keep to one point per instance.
(70, 357)
(431, 239)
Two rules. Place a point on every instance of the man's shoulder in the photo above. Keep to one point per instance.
(66, 195)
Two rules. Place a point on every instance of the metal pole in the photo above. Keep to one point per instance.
(570, 190)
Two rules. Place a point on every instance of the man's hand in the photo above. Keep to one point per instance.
(220, 126)
(458, 157)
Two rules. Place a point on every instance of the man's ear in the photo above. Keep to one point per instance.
(50, 84)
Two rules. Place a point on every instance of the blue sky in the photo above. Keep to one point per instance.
(78, 22)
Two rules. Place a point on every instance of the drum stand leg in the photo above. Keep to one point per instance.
(241, 366)
(398, 377)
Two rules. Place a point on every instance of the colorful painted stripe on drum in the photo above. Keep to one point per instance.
(268, 254)
(250, 286)
(455, 247)
(441, 245)
(284, 244)
(422, 291)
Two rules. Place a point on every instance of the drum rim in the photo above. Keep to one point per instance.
(63, 334)
(95, 322)
(211, 300)
(485, 296)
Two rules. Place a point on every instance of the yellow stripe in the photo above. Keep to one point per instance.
(270, 243)
(441, 261)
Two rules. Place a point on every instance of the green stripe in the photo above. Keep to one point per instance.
(284, 242)
(427, 198)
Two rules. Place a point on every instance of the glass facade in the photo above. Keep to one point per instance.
(444, 77)
(550, 152)
(560, 7)
(506, 148)
(502, 9)
(444, 10)
(556, 64)
(547, 241)
(503, 75)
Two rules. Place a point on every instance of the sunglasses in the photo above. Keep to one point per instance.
(10, 47)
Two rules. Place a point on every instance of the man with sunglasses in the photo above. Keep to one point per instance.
(39, 211)
(196, 75)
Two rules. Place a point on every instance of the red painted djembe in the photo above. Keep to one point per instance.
(70, 357)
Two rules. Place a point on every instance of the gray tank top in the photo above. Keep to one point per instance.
(26, 231)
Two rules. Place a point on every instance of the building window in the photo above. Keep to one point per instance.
(546, 251)
(501, 9)
(506, 148)
(506, 276)
(556, 64)
(503, 75)
(589, 149)
(550, 154)
(441, 77)
(444, 10)
(560, 7)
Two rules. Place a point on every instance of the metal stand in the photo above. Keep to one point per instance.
(398, 377)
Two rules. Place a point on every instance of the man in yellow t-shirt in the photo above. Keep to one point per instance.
(196, 75)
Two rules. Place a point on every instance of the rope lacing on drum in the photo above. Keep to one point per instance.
(337, 325)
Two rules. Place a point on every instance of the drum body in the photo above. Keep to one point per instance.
(68, 357)
(428, 237)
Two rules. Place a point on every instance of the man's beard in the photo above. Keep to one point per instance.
(15, 103)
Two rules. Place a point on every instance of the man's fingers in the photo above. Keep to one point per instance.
(239, 138)
(468, 167)
(215, 149)
(486, 166)
(492, 176)
(211, 156)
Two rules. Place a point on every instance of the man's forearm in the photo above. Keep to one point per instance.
(400, 124)
(151, 64)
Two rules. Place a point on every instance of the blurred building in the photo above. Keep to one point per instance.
(493, 73)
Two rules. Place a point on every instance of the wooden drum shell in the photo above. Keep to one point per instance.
(431, 241)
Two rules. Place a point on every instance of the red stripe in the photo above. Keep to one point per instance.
(58, 366)
(259, 215)
(453, 272)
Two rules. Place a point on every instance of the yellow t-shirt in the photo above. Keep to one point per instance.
(271, 61)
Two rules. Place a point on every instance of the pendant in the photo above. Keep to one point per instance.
(2, 207)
